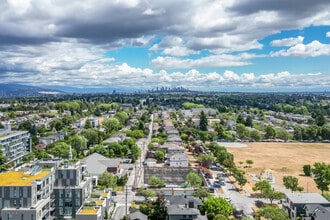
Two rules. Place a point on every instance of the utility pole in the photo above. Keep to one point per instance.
(126, 201)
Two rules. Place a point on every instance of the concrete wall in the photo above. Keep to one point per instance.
(170, 175)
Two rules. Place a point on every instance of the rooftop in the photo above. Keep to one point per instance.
(307, 198)
(20, 178)
(88, 211)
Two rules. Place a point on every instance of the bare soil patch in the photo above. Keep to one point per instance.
(281, 159)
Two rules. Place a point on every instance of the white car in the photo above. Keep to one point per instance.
(228, 199)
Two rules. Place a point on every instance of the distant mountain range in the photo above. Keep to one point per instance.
(18, 90)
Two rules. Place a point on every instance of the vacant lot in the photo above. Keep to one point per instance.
(281, 159)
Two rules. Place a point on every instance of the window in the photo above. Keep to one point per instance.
(10, 216)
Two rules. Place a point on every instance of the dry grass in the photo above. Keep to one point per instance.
(282, 159)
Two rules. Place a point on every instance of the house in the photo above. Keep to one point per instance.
(150, 162)
(177, 212)
(294, 203)
(316, 212)
(98, 164)
(137, 215)
(179, 160)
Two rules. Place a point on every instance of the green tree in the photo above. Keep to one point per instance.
(321, 172)
(79, 143)
(325, 132)
(107, 180)
(262, 186)
(159, 156)
(216, 205)
(249, 162)
(283, 134)
(307, 170)
(255, 135)
(202, 193)
(61, 149)
(112, 124)
(273, 213)
(291, 182)
(148, 193)
(3, 161)
(205, 160)
(240, 178)
(91, 135)
(156, 182)
(248, 121)
(272, 194)
(242, 131)
(203, 123)
(193, 179)
(270, 132)
(88, 124)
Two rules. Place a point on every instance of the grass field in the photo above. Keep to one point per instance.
(281, 159)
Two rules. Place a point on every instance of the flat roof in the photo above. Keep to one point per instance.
(19, 178)
(88, 211)
(307, 198)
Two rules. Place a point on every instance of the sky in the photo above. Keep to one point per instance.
(202, 45)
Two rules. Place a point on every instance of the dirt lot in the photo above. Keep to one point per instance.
(281, 159)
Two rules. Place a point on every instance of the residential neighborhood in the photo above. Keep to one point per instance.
(133, 160)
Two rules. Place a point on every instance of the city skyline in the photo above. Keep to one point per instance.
(203, 45)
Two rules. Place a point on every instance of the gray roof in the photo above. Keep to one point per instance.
(318, 211)
(98, 164)
(180, 200)
(306, 198)
(137, 215)
(181, 210)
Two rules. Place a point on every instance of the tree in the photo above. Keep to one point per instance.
(91, 135)
(291, 182)
(248, 121)
(3, 161)
(325, 132)
(272, 194)
(242, 131)
(148, 193)
(111, 124)
(61, 149)
(255, 135)
(240, 178)
(307, 170)
(156, 182)
(273, 213)
(205, 160)
(249, 162)
(321, 172)
(88, 124)
(202, 193)
(107, 180)
(262, 186)
(283, 134)
(193, 179)
(159, 156)
(216, 205)
(270, 132)
(79, 143)
(203, 121)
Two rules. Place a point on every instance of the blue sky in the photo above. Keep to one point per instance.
(205, 45)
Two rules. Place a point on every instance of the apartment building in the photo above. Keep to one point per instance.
(71, 188)
(26, 195)
(14, 144)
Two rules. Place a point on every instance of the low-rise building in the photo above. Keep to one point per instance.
(179, 160)
(14, 144)
(294, 203)
(26, 195)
